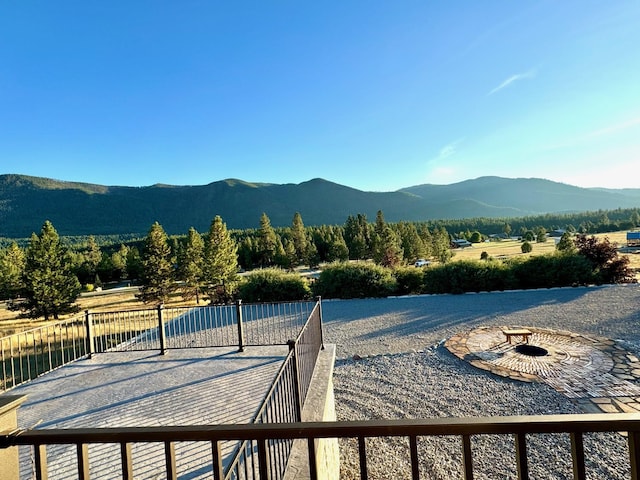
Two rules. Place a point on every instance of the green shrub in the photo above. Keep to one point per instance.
(355, 280)
(408, 280)
(273, 285)
(468, 276)
(552, 270)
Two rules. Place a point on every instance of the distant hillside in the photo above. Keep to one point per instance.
(82, 209)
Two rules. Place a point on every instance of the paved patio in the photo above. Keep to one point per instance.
(595, 372)
(196, 386)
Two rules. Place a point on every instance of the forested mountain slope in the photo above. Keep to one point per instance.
(81, 208)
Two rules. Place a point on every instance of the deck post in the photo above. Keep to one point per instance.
(162, 334)
(88, 321)
(240, 325)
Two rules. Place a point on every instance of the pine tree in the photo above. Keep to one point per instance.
(356, 237)
(566, 244)
(157, 267)
(300, 241)
(220, 266)
(412, 244)
(12, 262)
(50, 287)
(266, 241)
(92, 256)
(191, 265)
(441, 245)
(387, 250)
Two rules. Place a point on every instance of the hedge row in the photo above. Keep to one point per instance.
(365, 280)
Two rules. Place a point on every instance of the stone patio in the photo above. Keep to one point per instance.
(595, 372)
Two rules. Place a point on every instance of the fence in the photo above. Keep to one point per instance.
(282, 404)
(263, 436)
(27, 355)
(214, 326)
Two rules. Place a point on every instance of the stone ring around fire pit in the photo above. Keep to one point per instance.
(596, 372)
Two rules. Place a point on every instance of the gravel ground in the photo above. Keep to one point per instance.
(391, 364)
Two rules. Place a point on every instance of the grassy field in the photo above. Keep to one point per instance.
(512, 248)
(107, 301)
(125, 299)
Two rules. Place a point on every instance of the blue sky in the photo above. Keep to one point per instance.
(377, 95)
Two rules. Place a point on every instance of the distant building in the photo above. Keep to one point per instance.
(460, 243)
(633, 239)
(557, 233)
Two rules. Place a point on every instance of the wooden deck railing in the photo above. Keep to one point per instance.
(265, 436)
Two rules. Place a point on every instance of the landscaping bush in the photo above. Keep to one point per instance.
(355, 280)
(553, 270)
(468, 276)
(273, 285)
(408, 280)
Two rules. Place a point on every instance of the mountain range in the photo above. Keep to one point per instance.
(89, 209)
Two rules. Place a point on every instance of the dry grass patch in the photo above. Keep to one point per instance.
(106, 301)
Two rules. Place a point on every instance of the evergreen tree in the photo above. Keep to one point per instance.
(387, 250)
(157, 267)
(191, 265)
(300, 241)
(357, 237)
(441, 245)
(338, 247)
(427, 240)
(220, 265)
(290, 253)
(566, 244)
(412, 244)
(92, 256)
(119, 262)
(266, 241)
(134, 263)
(12, 262)
(50, 287)
(246, 253)
(280, 258)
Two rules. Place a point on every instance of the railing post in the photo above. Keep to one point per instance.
(240, 325)
(319, 300)
(521, 456)
(88, 321)
(161, 332)
(9, 424)
(296, 380)
(634, 454)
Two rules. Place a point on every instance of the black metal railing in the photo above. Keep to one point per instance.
(217, 326)
(263, 436)
(283, 403)
(29, 354)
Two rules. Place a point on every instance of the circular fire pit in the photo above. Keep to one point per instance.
(531, 350)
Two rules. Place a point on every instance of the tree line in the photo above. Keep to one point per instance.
(45, 277)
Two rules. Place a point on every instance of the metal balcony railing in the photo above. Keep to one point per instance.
(266, 437)
(218, 326)
(27, 355)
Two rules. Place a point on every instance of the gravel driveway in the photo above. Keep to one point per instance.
(391, 364)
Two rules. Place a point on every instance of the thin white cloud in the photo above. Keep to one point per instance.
(511, 79)
(440, 170)
(448, 150)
